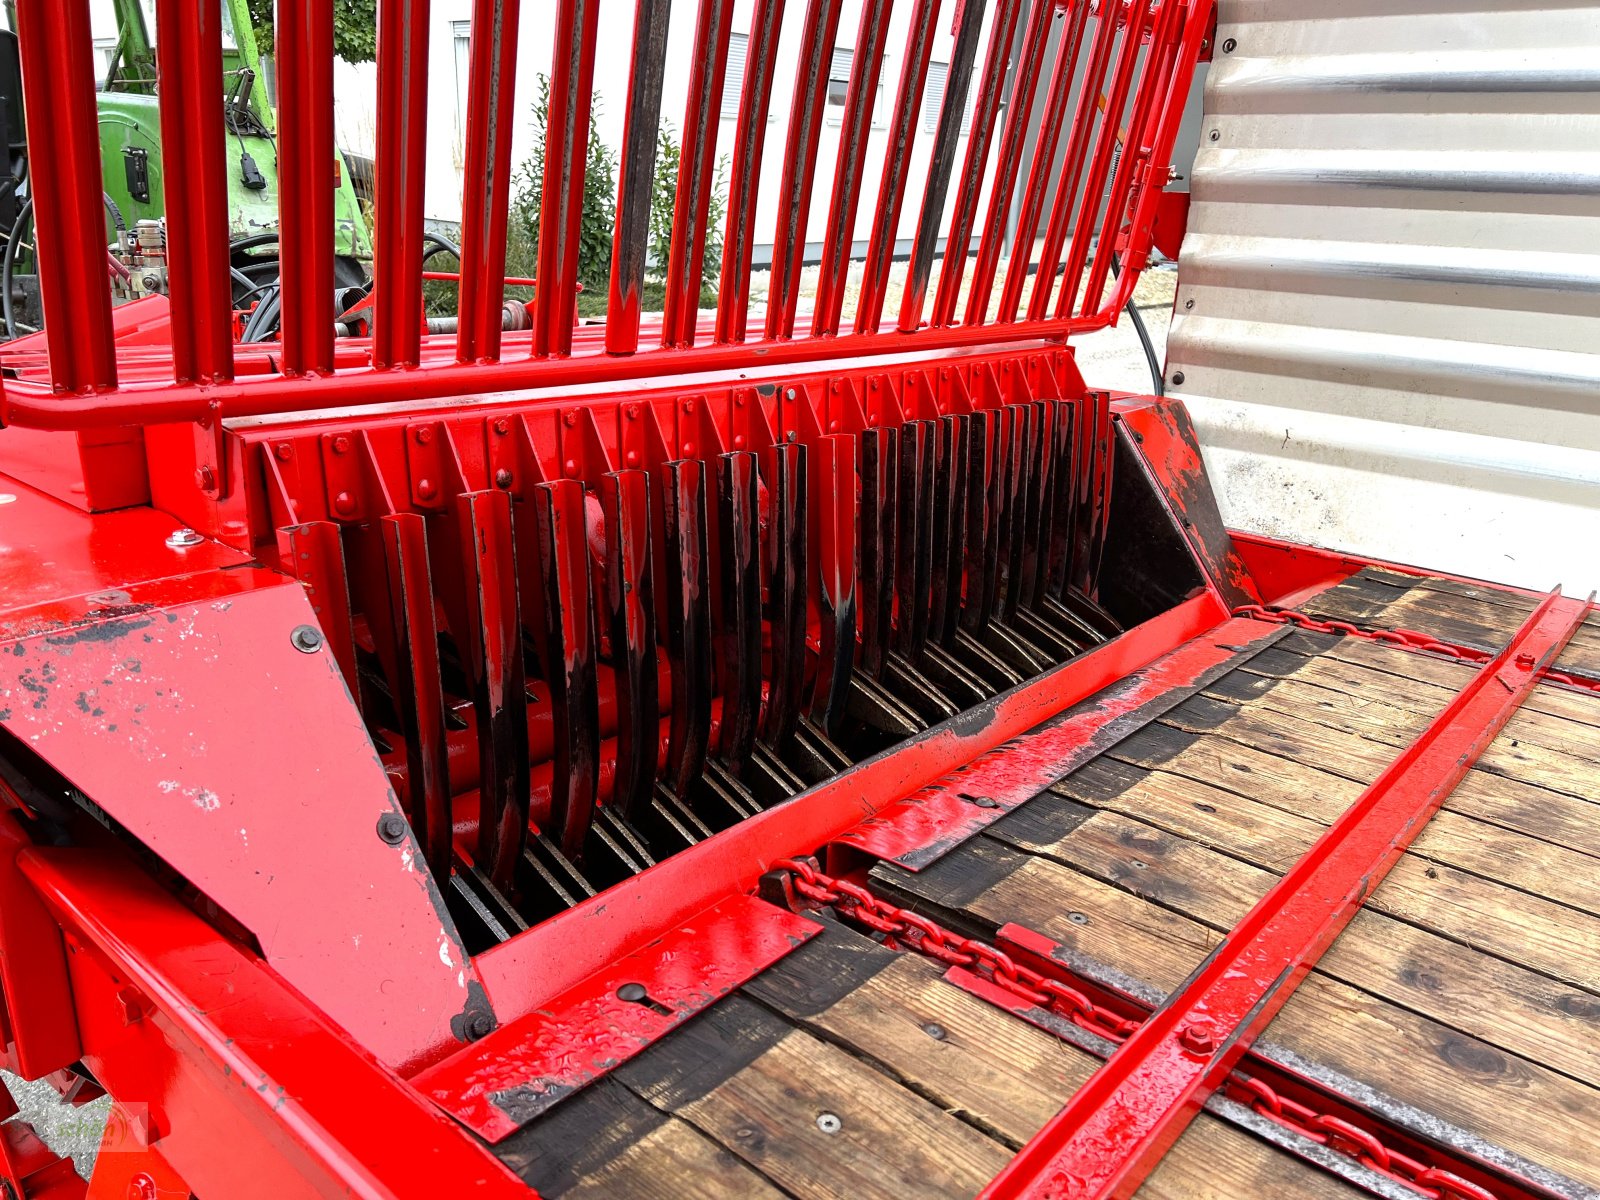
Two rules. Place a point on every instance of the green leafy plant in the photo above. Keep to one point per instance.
(355, 28)
(663, 198)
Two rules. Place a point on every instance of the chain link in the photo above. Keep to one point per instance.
(1408, 639)
(1350, 1140)
(918, 934)
(903, 929)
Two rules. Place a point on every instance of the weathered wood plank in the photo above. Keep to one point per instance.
(1502, 1003)
(1534, 1112)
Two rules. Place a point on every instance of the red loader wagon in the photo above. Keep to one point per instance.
(823, 747)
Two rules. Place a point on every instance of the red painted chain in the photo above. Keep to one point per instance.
(1408, 639)
(916, 933)
(911, 931)
(1351, 1140)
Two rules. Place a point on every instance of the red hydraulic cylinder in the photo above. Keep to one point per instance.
(188, 82)
(57, 58)
(306, 179)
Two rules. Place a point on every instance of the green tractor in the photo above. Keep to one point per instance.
(132, 178)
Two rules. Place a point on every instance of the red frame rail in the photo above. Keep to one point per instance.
(89, 384)
(1123, 1119)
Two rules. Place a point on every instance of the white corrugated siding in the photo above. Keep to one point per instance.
(1388, 316)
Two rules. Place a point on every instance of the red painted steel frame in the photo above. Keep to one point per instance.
(403, 32)
(1118, 1124)
(252, 1094)
(306, 169)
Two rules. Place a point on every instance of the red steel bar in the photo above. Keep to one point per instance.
(566, 148)
(799, 165)
(307, 176)
(1118, 1124)
(1020, 107)
(188, 82)
(403, 29)
(973, 170)
(1163, 133)
(1135, 157)
(1044, 154)
(892, 188)
(958, 82)
(636, 178)
(486, 169)
(855, 130)
(696, 167)
(159, 403)
(1104, 151)
(57, 57)
(1062, 210)
(755, 101)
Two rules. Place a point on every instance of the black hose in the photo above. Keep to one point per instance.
(8, 264)
(1158, 379)
(443, 244)
(116, 213)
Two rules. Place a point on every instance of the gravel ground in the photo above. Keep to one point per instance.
(1111, 359)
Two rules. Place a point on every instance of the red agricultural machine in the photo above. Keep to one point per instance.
(808, 749)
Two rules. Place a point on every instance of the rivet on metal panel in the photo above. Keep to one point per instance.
(1177, 377)
(306, 638)
(502, 479)
(1229, 46)
(1216, 134)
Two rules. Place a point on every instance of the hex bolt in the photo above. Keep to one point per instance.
(480, 1025)
(423, 434)
(829, 1123)
(182, 539)
(283, 451)
(1525, 660)
(306, 638)
(1199, 1037)
(392, 828)
(1177, 378)
(502, 427)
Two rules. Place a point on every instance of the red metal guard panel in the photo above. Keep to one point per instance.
(516, 1073)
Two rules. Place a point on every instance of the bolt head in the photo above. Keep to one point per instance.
(1525, 660)
(205, 479)
(426, 489)
(341, 445)
(829, 1123)
(502, 427)
(502, 479)
(423, 434)
(283, 451)
(569, 418)
(344, 504)
(183, 539)
(392, 828)
(1199, 1037)
(306, 638)
(142, 1187)
(1177, 378)
(632, 993)
(480, 1025)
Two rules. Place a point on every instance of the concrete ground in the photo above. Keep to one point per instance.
(1110, 359)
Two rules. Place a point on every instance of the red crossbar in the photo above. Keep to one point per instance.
(1118, 1124)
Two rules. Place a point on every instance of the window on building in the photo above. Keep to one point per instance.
(461, 31)
(933, 96)
(839, 88)
(733, 79)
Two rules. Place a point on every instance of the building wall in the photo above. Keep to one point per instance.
(1388, 316)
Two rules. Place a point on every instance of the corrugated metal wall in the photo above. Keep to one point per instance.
(1388, 315)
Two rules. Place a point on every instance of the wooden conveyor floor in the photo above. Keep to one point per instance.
(1467, 991)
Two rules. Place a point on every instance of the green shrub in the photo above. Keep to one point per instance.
(663, 196)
